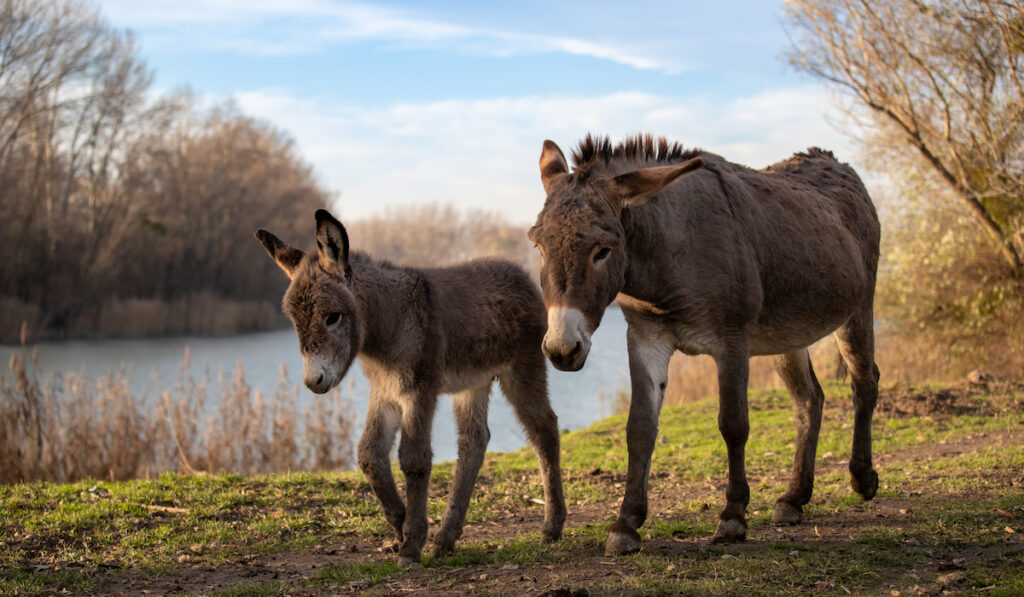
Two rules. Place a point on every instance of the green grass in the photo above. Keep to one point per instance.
(938, 513)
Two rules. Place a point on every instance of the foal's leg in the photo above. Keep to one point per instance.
(382, 422)
(649, 353)
(526, 388)
(797, 373)
(414, 456)
(471, 419)
(733, 372)
(856, 341)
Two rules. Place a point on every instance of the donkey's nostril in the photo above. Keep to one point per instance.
(575, 350)
(320, 379)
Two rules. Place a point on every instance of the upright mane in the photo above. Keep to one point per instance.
(596, 153)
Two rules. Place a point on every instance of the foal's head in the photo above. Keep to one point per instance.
(583, 247)
(318, 301)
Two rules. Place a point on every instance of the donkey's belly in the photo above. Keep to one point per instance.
(780, 340)
(458, 381)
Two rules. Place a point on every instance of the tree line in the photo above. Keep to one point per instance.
(126, 212)
(109, 192)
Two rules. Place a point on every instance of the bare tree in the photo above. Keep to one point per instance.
(108, 195)
(947, 77)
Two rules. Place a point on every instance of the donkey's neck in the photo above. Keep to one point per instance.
(385, 294)
(645, 247)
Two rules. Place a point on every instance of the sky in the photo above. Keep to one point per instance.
(397, 103)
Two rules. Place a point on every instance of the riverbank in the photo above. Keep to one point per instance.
(949, 516)
(204, 314)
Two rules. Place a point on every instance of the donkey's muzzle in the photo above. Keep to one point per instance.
(319, 374)
(567, 342)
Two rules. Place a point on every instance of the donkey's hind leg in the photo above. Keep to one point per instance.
(526, 387)
(856, 340)
(382, 422)
(471, 420)
(797, 373)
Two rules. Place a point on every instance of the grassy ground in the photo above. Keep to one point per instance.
(949, 517)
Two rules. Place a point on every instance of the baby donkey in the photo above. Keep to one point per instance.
(420, 333)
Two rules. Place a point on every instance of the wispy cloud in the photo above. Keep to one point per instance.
(306, 26)
(483, 153)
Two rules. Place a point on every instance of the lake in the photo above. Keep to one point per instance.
(578, 398)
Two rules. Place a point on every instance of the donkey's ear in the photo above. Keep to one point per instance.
(332, 244)
(637, 187)
(552, 165)
(286, 257)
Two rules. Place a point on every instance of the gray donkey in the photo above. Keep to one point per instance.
(419, 333)
(710, 257)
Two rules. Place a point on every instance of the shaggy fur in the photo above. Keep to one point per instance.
(418, 333)
(729, 262)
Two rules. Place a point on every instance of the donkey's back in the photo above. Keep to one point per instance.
(489, 311)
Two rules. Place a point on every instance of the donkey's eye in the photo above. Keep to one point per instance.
(602, 255)
(332, 318)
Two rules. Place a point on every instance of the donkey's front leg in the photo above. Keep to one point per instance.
(733, 371)
(415, 456)
(382, 422)
(649, 354)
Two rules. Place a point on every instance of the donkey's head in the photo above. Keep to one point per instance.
(583, 246)
(319, 302)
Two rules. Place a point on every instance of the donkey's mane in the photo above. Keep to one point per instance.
(598, 153)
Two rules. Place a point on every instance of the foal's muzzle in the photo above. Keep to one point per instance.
(319, 374)
(567, 342)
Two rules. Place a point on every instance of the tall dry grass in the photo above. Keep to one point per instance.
(64, 428)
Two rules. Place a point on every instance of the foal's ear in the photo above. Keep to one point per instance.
(637, 187)
(286, 257)
(552, 165)
(332, 244)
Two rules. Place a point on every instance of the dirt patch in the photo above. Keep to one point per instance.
(973, 396)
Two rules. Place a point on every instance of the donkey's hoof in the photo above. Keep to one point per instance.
(550, 535)
(866, 484)
(443, 546)
(732, 530)
(408, 562)
(622, 542)
(786, 513)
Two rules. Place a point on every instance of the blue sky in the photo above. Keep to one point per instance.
(400, 102)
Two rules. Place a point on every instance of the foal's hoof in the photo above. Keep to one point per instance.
(550, 535)
(408, 562)
(444, 542)
(443, 548)
(786, 513)
(732, 530)
(866, 484)
(621, 542)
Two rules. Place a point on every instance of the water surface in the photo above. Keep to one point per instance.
(578, 398)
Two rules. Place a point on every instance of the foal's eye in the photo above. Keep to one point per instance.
(332, 318)
(602, 255)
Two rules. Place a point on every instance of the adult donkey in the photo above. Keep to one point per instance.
(418, 333)
(728, 262)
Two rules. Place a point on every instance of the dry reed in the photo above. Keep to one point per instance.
(64, 428)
